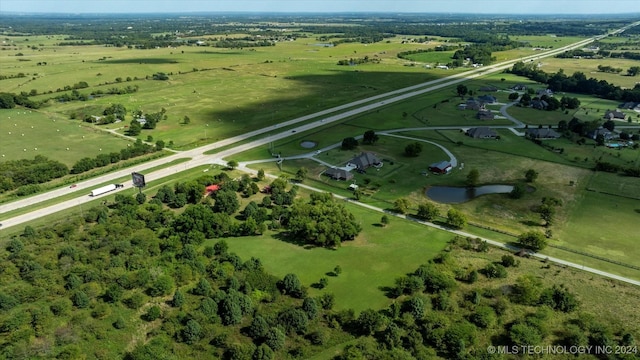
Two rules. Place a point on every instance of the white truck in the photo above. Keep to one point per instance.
(105, 189)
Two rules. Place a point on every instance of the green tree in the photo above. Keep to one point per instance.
(301, 174)
(263, 352)
(368, 322)
(134, 128)
(186, 120)
(291, 285)
(531, 175)
(559, 298)
(456, 219)
(293, 321)
(547, 213)
(310, 307)
(163, 285)
(401, 205)
(80, 299)
(428, 211)
(462, 90)
(370, 137)
(413, 149)
(230, 311)
(384, 220)
(258, 329)
(275, 339)
(153, 313)
(473, 177)
(524, 335)
(483, 317)
(178, 299)
(518, 191)
(232, 164)
(514, 96)
(226, 201)
(349, 143)
(526, 290)
(533, 240)
(192, 332)
(260, 174)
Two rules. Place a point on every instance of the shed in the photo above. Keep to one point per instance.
(442, 167)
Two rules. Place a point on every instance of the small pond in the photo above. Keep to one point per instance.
(307, 144)
(456, 195)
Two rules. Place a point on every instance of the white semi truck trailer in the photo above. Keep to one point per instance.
(105, 189)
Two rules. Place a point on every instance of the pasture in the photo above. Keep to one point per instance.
(27, 133)
(369, 263)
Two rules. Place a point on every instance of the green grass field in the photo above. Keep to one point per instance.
(369, 263)
(27, 133)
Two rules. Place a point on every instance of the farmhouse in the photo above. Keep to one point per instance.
(442, 167)
(519, 87)
(484, 114)
(614, 115)
(364, 161)
(482, 132)
(338, 174)
(628, 105)
(542, 134)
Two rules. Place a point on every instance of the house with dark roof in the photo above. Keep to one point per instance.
(482, 132)
(614, 115)
(539, 104)
(364, 161)
(484, 114)
(606, 134)
(544, 133)
(547, 92)
(628, 105)
(487, 99)
(442, 167)
(472, 104)
(519, 87)
(338, 174)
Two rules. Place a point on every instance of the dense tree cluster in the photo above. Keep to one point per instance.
(322, 221)
(16, 173)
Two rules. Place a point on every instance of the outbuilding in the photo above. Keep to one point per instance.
(442, 167)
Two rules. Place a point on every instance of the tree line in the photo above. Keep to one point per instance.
(577, 83)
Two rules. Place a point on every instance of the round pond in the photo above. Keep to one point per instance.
(307, 144)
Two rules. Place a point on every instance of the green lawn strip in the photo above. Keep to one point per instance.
(373, 260)
(614, 184)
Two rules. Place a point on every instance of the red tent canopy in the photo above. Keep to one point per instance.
(212, 188)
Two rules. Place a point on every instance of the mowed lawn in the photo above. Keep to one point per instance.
(369, 263)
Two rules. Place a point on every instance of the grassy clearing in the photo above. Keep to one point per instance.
(372, 261)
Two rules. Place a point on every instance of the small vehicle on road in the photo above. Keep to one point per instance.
(72, 186)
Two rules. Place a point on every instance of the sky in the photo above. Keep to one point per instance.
(423, 6)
